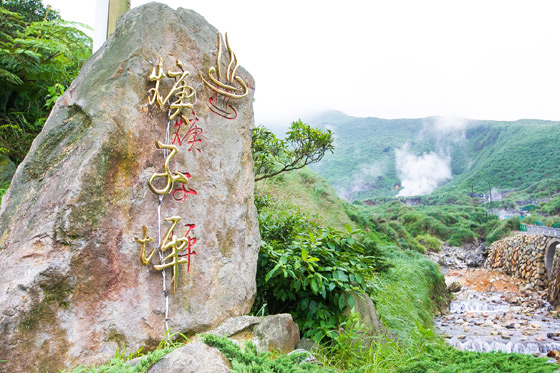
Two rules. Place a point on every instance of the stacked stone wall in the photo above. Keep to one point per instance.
(521, 256)
(554, 288)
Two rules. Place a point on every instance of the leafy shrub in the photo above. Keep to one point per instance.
(447, 360)
(429, 241)
(310, 271)
(355, 351)
(429, 224)
(502, 230)
(249, 359)
(38, 61)
(460, 236)
(405, 240)
(552, 207)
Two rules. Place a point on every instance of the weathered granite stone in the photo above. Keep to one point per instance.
(268, 333)
(195, 357)
(374, 329)
(73, 288)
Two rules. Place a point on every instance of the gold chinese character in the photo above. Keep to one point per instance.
(225, 88)
(170, 177)
(176, 245)
(156, 75)
(143, 241)
(181, 90)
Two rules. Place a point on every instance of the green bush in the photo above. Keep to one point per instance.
(551, 207)
(429, 224)
(502, 229)
(310, 271)
(249, 359)
(448, 360)
(429, 241)
(460, 236)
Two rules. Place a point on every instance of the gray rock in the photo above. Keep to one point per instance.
(268, 333)
(373, 328)
(307, 344)
(193, 358)
(73, 289)
(277, 333)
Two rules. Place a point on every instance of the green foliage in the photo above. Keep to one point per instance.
(429, 241)
(502, 229)
(312, 193)
(310, 271)
(31, 10)
(303, 145)
(249, 359)
(551, 207)
(455, 224)
(38, 61)
(448, 360)
(3, 190)
(460, 236)
(356, 351)
(408, 295)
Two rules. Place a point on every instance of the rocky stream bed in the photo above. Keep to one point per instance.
(492, 311)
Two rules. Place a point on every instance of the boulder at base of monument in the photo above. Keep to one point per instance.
(73, 289)
(273, 333)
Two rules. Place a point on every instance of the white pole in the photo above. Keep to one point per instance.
(101, 22)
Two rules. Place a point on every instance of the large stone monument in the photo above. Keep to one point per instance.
(137, 140)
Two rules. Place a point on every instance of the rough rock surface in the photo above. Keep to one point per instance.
(73, 289)
(195, 357)
(268, 333)
(523, 256)
(554, 282)
(368, 318)
(460, 257)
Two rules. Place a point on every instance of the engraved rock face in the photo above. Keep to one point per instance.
(73, 288)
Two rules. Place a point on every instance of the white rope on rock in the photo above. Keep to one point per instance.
(165, 293)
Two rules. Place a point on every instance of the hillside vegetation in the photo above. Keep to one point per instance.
(407, 289)
(518, 156)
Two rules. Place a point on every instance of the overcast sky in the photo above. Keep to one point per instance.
(390, 59)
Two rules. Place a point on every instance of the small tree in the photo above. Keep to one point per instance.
(39, 58)
(303, 145)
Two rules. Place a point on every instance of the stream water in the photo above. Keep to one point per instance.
(492, 321)
(495, 312)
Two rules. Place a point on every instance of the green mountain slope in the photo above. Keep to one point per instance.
(384, 157)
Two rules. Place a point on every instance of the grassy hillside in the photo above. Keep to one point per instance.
(311, 193)
(480, 155)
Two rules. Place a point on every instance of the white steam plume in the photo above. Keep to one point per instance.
(421, 174)
(363, 178)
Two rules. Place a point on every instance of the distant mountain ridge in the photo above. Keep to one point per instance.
(377, 157)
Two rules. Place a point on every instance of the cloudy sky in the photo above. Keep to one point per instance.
(496, 59)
